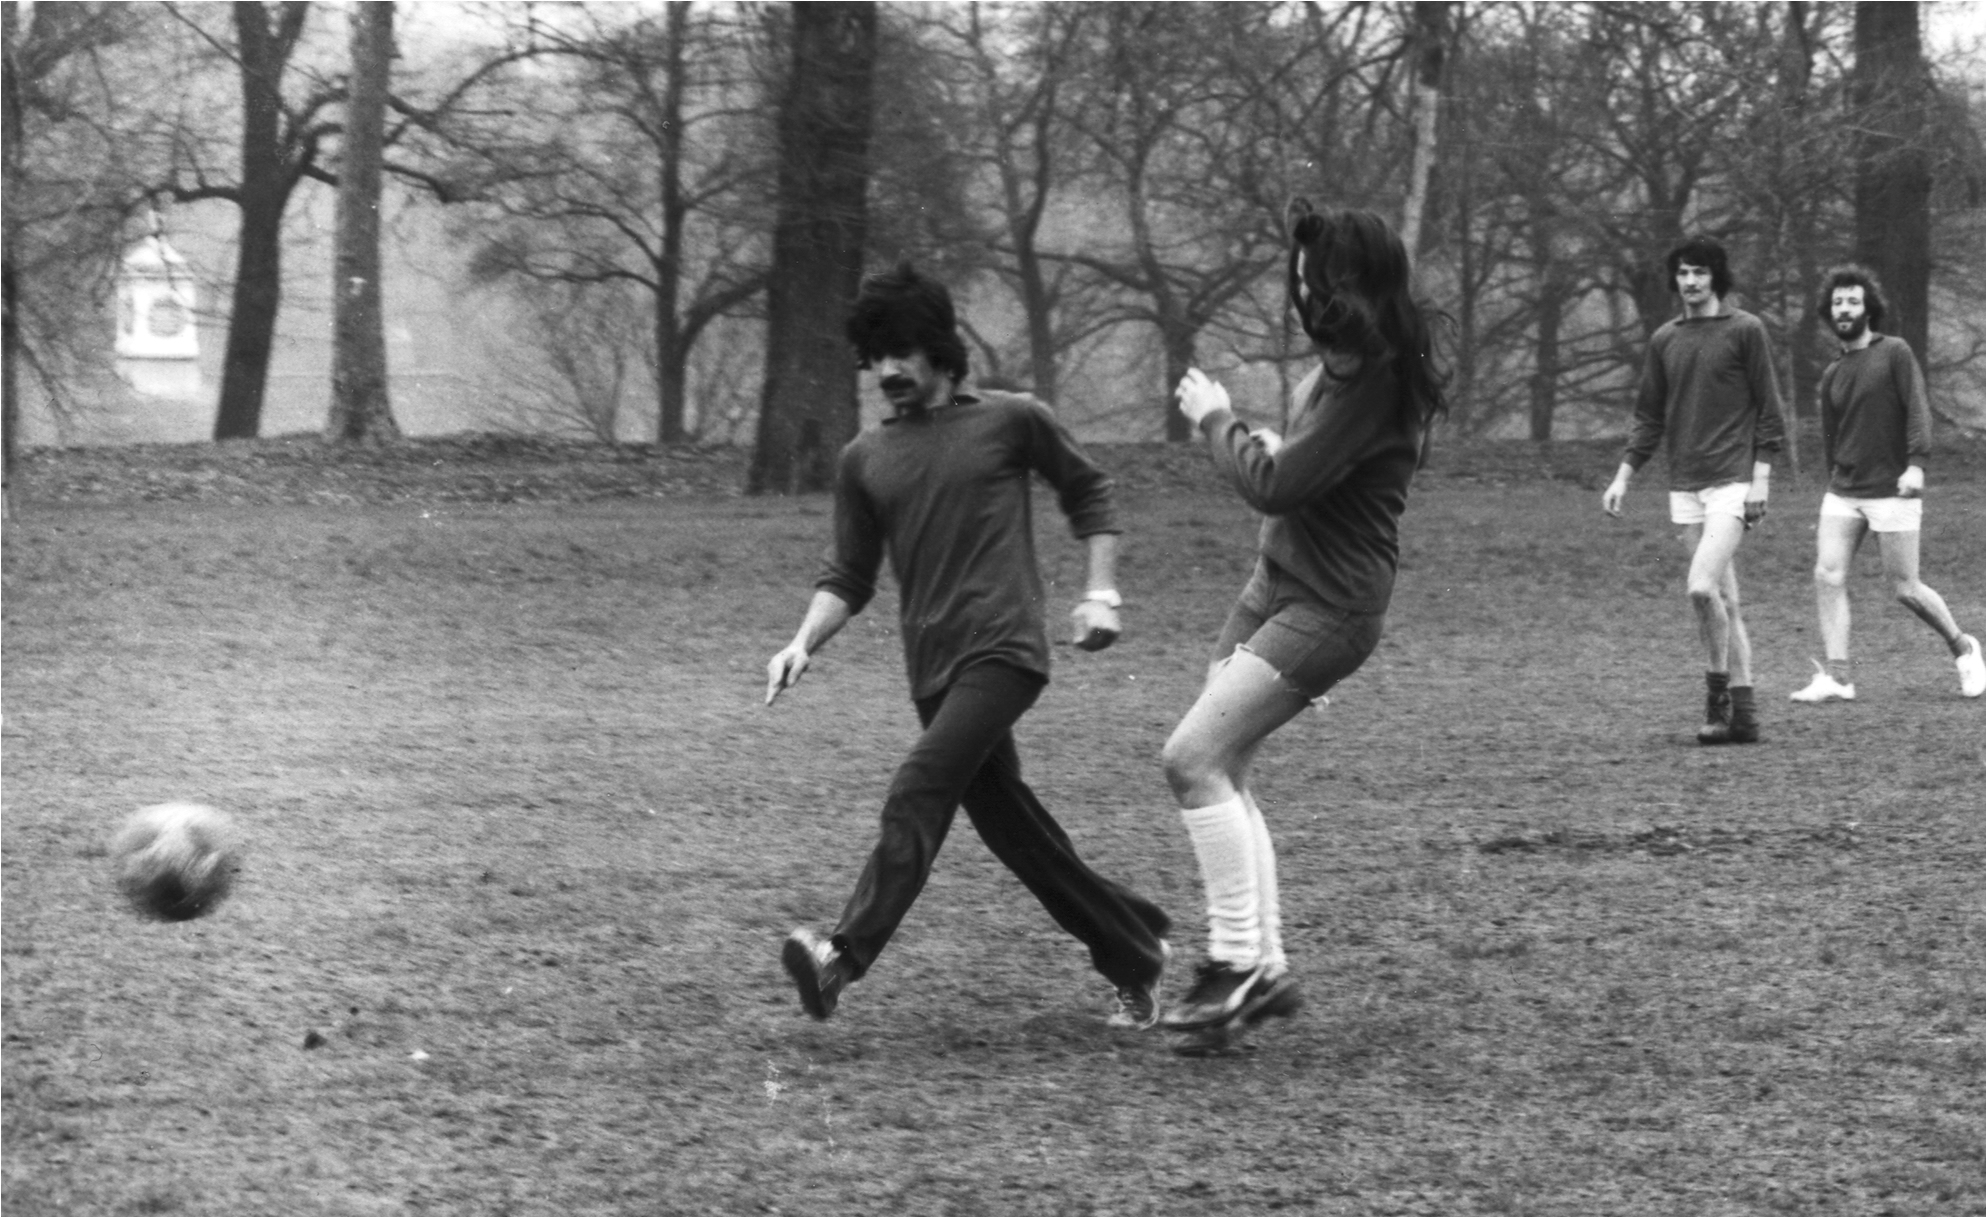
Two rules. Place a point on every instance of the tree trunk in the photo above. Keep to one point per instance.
(1430, 39)
(1040, 325)
(809, 408)
(11, 121)
(1467, 290)
(1545, 364)
(266, 183)
(1802, 230)
(361, 411)
(1893, 167)
(671, 353)
(671, 368)
(258, 294)
(1177, 337)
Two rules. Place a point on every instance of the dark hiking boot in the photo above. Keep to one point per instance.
(1740, 725)
(1716, 727)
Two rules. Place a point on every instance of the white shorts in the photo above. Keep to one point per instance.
(1695, 506)
(1893, 514)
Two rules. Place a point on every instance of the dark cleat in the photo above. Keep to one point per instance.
(819, 970)
(1138, 1005)
(1220, 993)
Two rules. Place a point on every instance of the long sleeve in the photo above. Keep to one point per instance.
(1830, 415)
(851, 566)
(1916, 401)
(1332, 434)
(1082, 488)
(1769, 432)
(1651, 404)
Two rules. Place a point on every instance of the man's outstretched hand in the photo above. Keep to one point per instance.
(784, 671)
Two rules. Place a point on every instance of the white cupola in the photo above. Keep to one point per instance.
(156, 299)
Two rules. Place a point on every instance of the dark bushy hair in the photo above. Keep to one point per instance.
(1703, 251)
(899, 311)
(1350, 284)
(1854, 275)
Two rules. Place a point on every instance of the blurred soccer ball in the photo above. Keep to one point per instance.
(175, 861)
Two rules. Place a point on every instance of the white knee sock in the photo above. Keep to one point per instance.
(1224, 841)
(1269, 905)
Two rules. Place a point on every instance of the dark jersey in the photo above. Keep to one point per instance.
(944, 494)
(1709, 398)
(1875, 418)
(1334, 493)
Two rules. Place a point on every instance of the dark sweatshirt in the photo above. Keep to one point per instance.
(1875, 418)
(945, 494)
(1707, 388)
(1333, 494)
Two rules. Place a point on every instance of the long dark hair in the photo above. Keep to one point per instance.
(1350, 284)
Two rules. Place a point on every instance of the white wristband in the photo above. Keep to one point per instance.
(1107, 598)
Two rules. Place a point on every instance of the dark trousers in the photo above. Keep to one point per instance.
(966, 757)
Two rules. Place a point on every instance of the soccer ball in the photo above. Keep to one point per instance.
(175, 861)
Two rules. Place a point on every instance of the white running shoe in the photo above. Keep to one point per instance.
(1826, 688)
(1971, 669)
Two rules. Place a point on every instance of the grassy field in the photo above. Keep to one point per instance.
(523, 843)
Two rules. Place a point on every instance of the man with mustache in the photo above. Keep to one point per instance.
(941, 489)
(1876, 430)
(1707, 388)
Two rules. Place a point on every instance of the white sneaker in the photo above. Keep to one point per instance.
(1825, 688)
(1971, 669)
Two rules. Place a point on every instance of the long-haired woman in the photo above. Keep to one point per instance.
(1331, 491)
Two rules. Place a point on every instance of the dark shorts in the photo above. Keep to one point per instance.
(1311, 645)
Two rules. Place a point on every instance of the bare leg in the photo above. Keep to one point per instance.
(1740, 639)
(1900, 565)
(1206, 763)
(1245, 700)
(1836, 538)
(1713, 589)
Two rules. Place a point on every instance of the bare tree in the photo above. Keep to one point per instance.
(629, 151)
(1015, 88)
(1174, 115)
(809, 407)
(69, 179)
(571, 373)
(361, 411)
(281, 142)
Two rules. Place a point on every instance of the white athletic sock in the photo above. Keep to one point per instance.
(1224, 841)
(1270, 905)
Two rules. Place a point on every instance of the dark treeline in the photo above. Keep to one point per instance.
(1105, 182)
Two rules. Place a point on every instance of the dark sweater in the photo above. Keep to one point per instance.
(1707, 388)
(1334, 493)
(945, 494)
(1875, 418)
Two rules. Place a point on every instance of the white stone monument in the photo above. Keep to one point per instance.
(158, 340)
